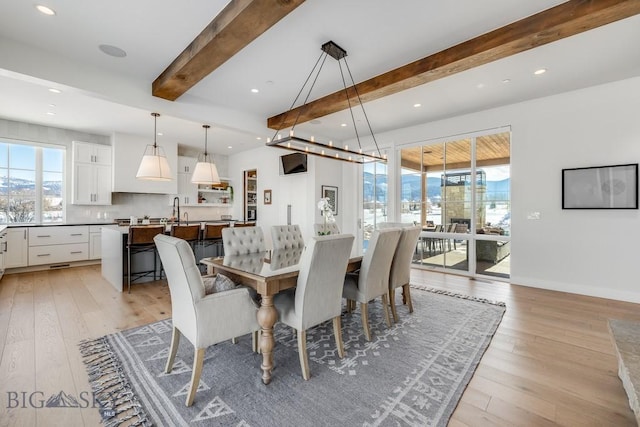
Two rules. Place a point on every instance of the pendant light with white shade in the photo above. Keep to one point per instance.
(154, 165)
(205, 171)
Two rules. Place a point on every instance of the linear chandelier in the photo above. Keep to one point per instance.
(329, 150)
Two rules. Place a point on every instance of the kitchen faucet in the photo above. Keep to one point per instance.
(176, 202)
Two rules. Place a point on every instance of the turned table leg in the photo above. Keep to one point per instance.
(267, 317)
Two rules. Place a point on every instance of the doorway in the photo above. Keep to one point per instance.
(459, 191)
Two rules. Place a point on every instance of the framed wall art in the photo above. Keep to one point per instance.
(331, 193)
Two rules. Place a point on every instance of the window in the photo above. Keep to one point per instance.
(32, 182)
(374, 198)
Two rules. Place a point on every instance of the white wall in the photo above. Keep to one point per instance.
(592, 252)
(301, 191)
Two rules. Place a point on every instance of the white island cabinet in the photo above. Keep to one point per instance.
(114, 258)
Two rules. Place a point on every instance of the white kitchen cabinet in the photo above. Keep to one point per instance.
(186, 164)
(56, 254)
(187, 191)
(127, 153)
(17, 254)
(58, 244)
(86, 152)
(58, 235)
(91, 184)
(91, 174)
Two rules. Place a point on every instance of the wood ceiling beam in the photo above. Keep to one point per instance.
(564, 20)
(239, 23)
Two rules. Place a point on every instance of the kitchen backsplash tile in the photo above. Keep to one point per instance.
(126, 204)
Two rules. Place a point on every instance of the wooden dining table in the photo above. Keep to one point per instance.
(268, 274)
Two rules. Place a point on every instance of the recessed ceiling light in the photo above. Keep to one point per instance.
(417, 105)
(52, 105)
(506, 81)
(540, 71)
(229, 147)
(480, 85)
(114, 51)
(258, 138)
(45, 10)
(343, 125)
(50, 113)
(254, 90)
(54, 90)
(160, 134)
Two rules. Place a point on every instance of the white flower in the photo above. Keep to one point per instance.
(327, 210)
(323, 204)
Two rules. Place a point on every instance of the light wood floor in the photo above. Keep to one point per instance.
(551, 361)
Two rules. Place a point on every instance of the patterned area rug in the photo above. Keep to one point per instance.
(411, 374)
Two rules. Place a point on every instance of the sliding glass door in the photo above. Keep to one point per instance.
(458, 190)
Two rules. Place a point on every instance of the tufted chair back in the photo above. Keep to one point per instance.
(251, 263)
(329, 229)
(286, 237)
(243, 240)
(281, 258)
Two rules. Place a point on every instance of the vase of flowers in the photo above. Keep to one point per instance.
(327, 214)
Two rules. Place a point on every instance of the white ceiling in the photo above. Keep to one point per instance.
(103, 94)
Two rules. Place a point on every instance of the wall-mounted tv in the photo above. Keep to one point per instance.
(293, 163)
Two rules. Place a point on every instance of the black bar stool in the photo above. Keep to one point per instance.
(140, 240)
(212, 235)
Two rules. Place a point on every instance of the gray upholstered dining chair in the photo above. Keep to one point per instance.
(372, 281)
(203, 319)
(286, 237)
(243, 240)
(400, 273)
(318, 294)
(330, 227)
(282, 258)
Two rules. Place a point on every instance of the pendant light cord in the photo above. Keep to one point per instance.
(366, 118)
(323, 57)
(284, 118)
(155, 130)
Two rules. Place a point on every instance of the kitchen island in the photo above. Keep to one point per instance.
(114, 254)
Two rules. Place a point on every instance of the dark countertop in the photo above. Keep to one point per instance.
(60, 223)
(156, 221)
